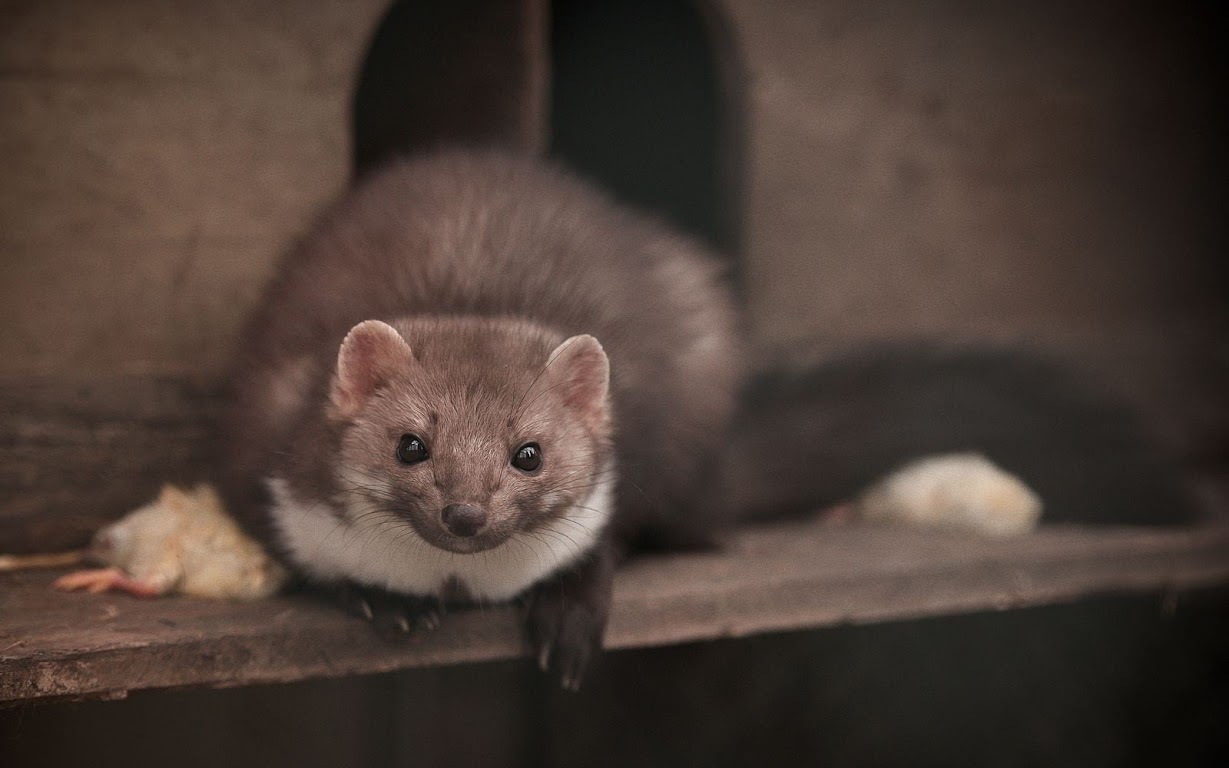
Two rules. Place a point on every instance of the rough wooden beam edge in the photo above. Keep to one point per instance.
(662, 601)
(923, 594)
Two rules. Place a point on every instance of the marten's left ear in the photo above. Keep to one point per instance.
(371, 354)
(579, 371)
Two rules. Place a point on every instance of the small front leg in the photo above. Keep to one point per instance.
(567, 616)
(393, 615)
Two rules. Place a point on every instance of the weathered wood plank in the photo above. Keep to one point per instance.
(75, 454)
(145, 139)
(138, 219)
(951, 178)
(929, 171)
(887, 194)
(286, 42)
(78, 306)
(209, 128)
(796, 576)
(137, 159)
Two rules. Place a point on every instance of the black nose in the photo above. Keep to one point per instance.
(462, 519)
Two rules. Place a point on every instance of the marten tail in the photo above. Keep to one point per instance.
(812, 438)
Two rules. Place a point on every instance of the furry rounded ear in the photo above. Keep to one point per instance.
(579, 370)
(370, 355)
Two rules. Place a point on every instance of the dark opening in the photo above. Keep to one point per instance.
(645, 96)
(445, 73)
(644, 99)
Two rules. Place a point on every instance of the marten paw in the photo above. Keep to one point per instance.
(565, 635)
(394, 616)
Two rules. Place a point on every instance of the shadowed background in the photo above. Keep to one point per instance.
(1043, 174)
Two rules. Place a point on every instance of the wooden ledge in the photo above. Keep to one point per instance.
(800, 575)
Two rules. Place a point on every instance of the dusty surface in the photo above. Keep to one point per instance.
(790, 576)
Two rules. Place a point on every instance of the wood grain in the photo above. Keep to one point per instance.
(284, 42)
(976, 170)
(76, 306)
(75, 454)
(90, 161)
(801, 575)
(148, 137)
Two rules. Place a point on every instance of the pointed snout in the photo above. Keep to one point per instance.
(463, 519)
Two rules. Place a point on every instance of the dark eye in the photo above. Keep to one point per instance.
(528, 457)
(412, 450)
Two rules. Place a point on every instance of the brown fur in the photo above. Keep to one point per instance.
(475, 391)
(484, 263)
(491, 236)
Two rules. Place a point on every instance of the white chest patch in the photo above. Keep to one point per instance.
(380, 551)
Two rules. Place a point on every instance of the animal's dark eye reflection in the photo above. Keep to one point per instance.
(412, 450)
(528, 458)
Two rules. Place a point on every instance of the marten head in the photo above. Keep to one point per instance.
(467, 432)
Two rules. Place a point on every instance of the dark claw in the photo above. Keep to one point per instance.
(565, 636)
(393, 616)
(566, 616)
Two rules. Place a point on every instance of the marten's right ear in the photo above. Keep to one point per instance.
(579, 371)
(371, 354)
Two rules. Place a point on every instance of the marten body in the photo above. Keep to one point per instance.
(476, 377)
